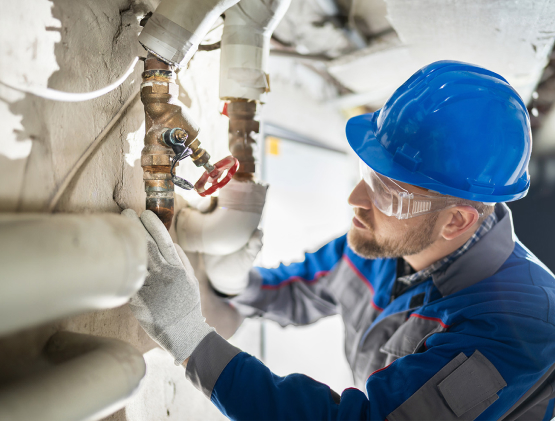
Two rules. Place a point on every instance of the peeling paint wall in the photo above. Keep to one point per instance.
(511, 37)
(80, 46)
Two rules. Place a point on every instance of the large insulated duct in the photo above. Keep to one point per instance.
(86, 378)
(59, 265)
(177, 27)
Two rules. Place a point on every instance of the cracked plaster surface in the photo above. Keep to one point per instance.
(77, 46)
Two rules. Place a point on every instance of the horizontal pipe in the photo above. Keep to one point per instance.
(295, 55)
(55, 266)
(87, 378)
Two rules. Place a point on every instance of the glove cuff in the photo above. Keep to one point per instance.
(181, 339)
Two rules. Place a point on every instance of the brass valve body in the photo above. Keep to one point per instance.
(159, 94)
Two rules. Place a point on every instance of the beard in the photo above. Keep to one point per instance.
(412, 241)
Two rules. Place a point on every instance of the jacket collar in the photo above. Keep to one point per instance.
(483, 259)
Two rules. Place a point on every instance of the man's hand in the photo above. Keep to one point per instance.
(168, 304)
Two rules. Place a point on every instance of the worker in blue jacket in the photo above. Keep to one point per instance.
(448, 316)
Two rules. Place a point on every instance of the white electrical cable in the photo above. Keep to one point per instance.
(90, 149)
(55, 95)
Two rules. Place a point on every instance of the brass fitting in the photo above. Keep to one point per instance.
(159, 94)
(243, 133)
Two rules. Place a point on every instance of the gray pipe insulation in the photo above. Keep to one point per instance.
(54, 266)
(87, 378)
(177, 27)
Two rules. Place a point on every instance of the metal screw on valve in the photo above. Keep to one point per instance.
(176, 138)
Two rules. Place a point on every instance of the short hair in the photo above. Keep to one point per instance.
(484, 209)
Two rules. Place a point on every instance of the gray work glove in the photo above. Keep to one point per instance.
(168, 304)
(229, 274)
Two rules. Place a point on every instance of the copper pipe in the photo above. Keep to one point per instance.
(243, 132)
(159, 94)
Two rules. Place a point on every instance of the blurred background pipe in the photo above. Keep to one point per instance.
(246, 48)
(244, 79)
(87, 378)
(59, 265)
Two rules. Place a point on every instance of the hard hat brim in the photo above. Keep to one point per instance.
(361, 135)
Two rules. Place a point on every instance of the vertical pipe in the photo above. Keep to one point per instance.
(243, 134)
(156, 94)
(244, 79)
(163, 112)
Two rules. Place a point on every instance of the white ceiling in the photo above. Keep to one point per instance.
(511, 37)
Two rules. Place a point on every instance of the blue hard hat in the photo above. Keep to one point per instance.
(454, 128)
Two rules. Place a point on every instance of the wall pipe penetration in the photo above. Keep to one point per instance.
(87, 378)
(73, 264)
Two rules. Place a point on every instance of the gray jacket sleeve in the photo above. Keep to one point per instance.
(296, 294)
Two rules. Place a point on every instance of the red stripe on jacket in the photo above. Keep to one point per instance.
(366, 281)
(317, 276)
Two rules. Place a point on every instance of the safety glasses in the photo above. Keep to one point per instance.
(393, 200)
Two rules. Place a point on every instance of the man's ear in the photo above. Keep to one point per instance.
(461, 218)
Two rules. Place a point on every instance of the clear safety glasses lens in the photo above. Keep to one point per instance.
(393, 200)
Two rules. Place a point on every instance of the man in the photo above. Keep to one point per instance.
(447, 315)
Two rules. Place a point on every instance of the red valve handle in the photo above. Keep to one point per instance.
(229, 163)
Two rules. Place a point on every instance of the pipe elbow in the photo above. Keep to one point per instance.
(229, 227)
(177, 27)
(261, 15)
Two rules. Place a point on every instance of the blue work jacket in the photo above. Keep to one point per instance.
(476, 341)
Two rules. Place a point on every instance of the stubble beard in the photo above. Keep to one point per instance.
(408, 243)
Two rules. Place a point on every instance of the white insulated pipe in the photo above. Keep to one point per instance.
(177, 27)
(248, 28)
(229, 227)
(89, 378)
(54, 266)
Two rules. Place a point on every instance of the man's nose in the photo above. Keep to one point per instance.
(359, 197)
